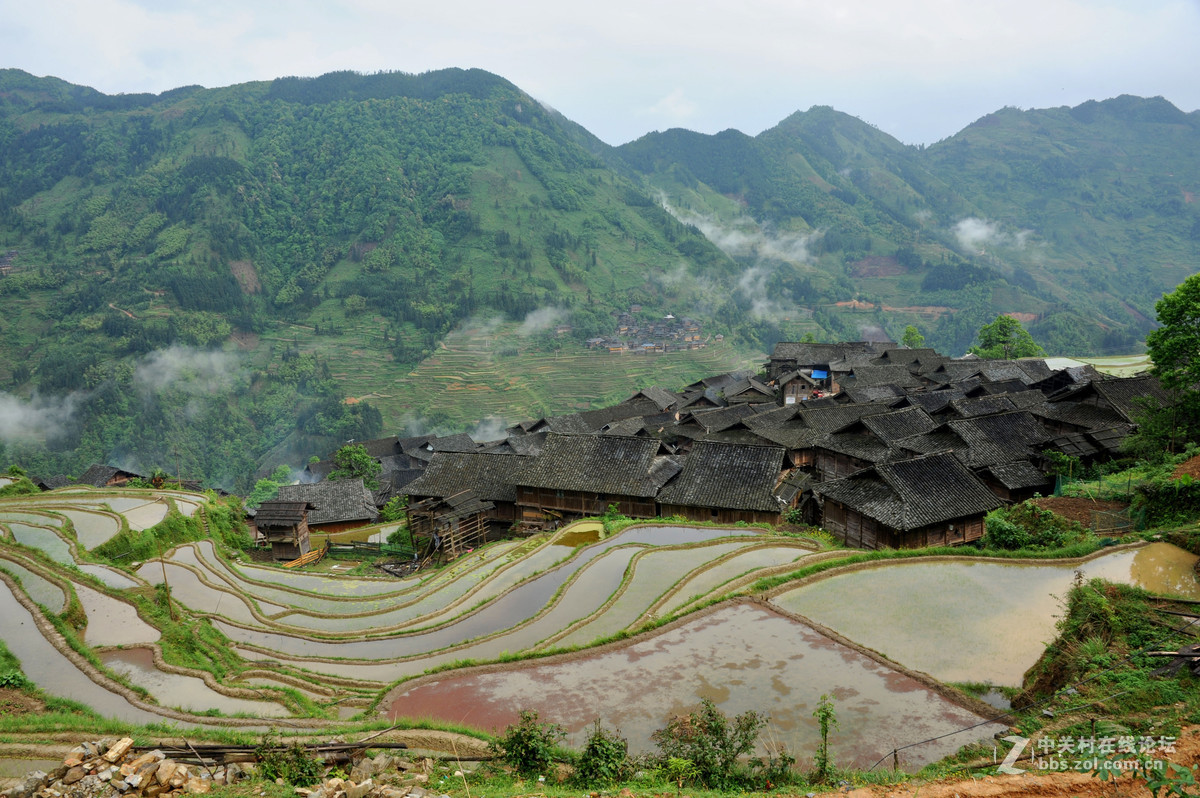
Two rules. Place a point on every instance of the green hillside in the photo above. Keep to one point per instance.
(200, 279)
(349, 222)
(1077, 218)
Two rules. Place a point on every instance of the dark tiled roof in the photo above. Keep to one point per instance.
(51, 483)
(982, 406)
(805, 354)
(1018, 474)
(1079, 414)
(867, 448)
(660, 396)
(934, 401)
(280, 513)
(381, 447)
(529, 444)
(98, 475)
(910, 494)
(1000, 438)
(727, 476)
(611, 464)
(832, 418)
(715, 420)
(1075, 444)
(333, 501)
(1127, 395)
(489, 476)
(890, 427)
(885, 375)
(461, 442)
(874, 393)
(1111, 438)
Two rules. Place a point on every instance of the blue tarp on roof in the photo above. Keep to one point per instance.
(819, 375)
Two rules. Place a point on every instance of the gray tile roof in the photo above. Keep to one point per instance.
(491, 477)
(727, 476)
(280, 514)
(889, 427)
(609, 464)
(333, 501)
(914, 493)
(1000, 438)
(1018, 474)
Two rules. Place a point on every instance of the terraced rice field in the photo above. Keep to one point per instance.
(315, 649)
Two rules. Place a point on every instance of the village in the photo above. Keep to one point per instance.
(638, 549)
(882, 446)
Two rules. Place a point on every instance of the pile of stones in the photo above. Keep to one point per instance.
(110, 768)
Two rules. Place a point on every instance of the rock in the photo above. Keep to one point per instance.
(134, 780)
(148, 757)
(119, 785)
(359, 790)
(107, 773)
(73, 775)
(28, 785)
(196, 786)
(154, 790)
(118, 749)
(421, 778)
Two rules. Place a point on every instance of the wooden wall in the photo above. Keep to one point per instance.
(719, 516)
(577, 504)
(857, 530)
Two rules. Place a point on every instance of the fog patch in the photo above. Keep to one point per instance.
(977, 234)
(196, 371)
(38, 418)
(541, 320)
(489, 430)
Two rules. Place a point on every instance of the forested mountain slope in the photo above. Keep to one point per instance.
(1076, 218)
(200, 279)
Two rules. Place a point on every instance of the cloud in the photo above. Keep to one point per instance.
(197, 371)
(975, 234)
(540, 320)
(37, 418)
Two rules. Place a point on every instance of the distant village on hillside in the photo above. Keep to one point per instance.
(882, 446)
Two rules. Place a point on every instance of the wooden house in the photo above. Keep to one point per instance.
(581, 475)
(932, 500)
(106, 476)
(726, 483)
(284, 525)
(489, 477)
(335, 504)
(453, 525)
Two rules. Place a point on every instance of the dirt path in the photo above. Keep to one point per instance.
(119, 310)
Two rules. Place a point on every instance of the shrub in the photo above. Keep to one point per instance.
(291, 763)
(529, 747)
(711, 742)
(604, 759)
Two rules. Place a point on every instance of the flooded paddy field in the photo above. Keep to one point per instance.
(184, 692)
(964, 620)
(741, 657)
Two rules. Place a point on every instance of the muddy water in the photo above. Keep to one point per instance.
(183, 692)
(741, 657)
(38, 588)
(16, 768)
(973, 621)
(50, 670)
(580, 534)
(112, 622)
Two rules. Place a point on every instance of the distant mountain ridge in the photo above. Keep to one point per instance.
(329, 233)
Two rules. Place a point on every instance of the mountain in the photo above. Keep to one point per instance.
(213, 281)
(325, 234)
(1076, 219)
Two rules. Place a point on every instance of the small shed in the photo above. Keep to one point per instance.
(453, 524)
(285, 526)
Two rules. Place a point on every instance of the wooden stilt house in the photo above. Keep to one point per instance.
(285, 526)
(453, 525)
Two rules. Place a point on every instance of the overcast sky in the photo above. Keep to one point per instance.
(919, 70)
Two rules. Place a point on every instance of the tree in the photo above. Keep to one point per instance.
(912, 338)
(1175, 349)
(352, 462)
(1005, 338)
(1175, 345)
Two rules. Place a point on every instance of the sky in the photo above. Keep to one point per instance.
(919, 70)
